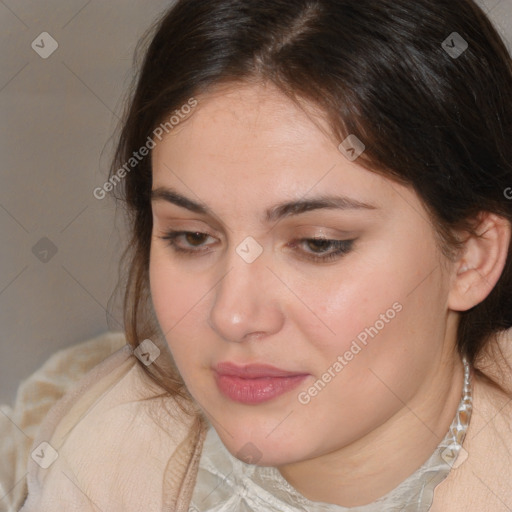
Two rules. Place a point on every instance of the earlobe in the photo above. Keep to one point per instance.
(479, 267)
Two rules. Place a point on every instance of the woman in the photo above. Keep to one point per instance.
(320, 269)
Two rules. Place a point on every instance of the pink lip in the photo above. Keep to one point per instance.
(253, 371)
(255, 383)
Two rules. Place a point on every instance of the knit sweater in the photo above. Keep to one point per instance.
(107, 445)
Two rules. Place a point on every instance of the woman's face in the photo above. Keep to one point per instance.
(364, 331)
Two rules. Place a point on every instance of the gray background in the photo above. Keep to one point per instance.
(58, 117)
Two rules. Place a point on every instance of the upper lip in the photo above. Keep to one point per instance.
(253, 371)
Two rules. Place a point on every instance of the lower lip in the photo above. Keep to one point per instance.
(256, 391)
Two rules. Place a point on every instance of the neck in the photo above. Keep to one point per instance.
(374, 465)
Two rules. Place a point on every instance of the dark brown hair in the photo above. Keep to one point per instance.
(380, 69)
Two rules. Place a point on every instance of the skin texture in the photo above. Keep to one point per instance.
(244, 149)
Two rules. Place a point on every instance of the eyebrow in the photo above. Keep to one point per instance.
(278, 211)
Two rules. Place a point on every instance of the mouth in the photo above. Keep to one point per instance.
(255, 383)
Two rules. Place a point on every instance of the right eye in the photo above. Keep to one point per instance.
(190, 236)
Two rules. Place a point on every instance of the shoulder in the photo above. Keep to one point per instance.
(480, 478)
(35, 396)
(106, 441)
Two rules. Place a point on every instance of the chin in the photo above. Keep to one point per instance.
(258, 447)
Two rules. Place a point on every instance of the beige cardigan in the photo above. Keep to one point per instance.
(116, 451)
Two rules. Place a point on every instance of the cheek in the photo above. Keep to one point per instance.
(171, 293)
(178, 300)
(373, 312)
(163, 293)
(342, 307)
(174, 291)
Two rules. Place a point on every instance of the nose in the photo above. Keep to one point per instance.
(246, 303)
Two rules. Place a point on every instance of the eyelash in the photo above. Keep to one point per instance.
(342, 247)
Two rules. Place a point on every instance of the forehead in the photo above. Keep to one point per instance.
(253, 129)
(248, 116)
(249, 143)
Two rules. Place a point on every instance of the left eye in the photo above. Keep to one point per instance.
(319, 245)
(340, 247)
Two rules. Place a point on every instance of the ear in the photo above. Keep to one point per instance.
(481, 263)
